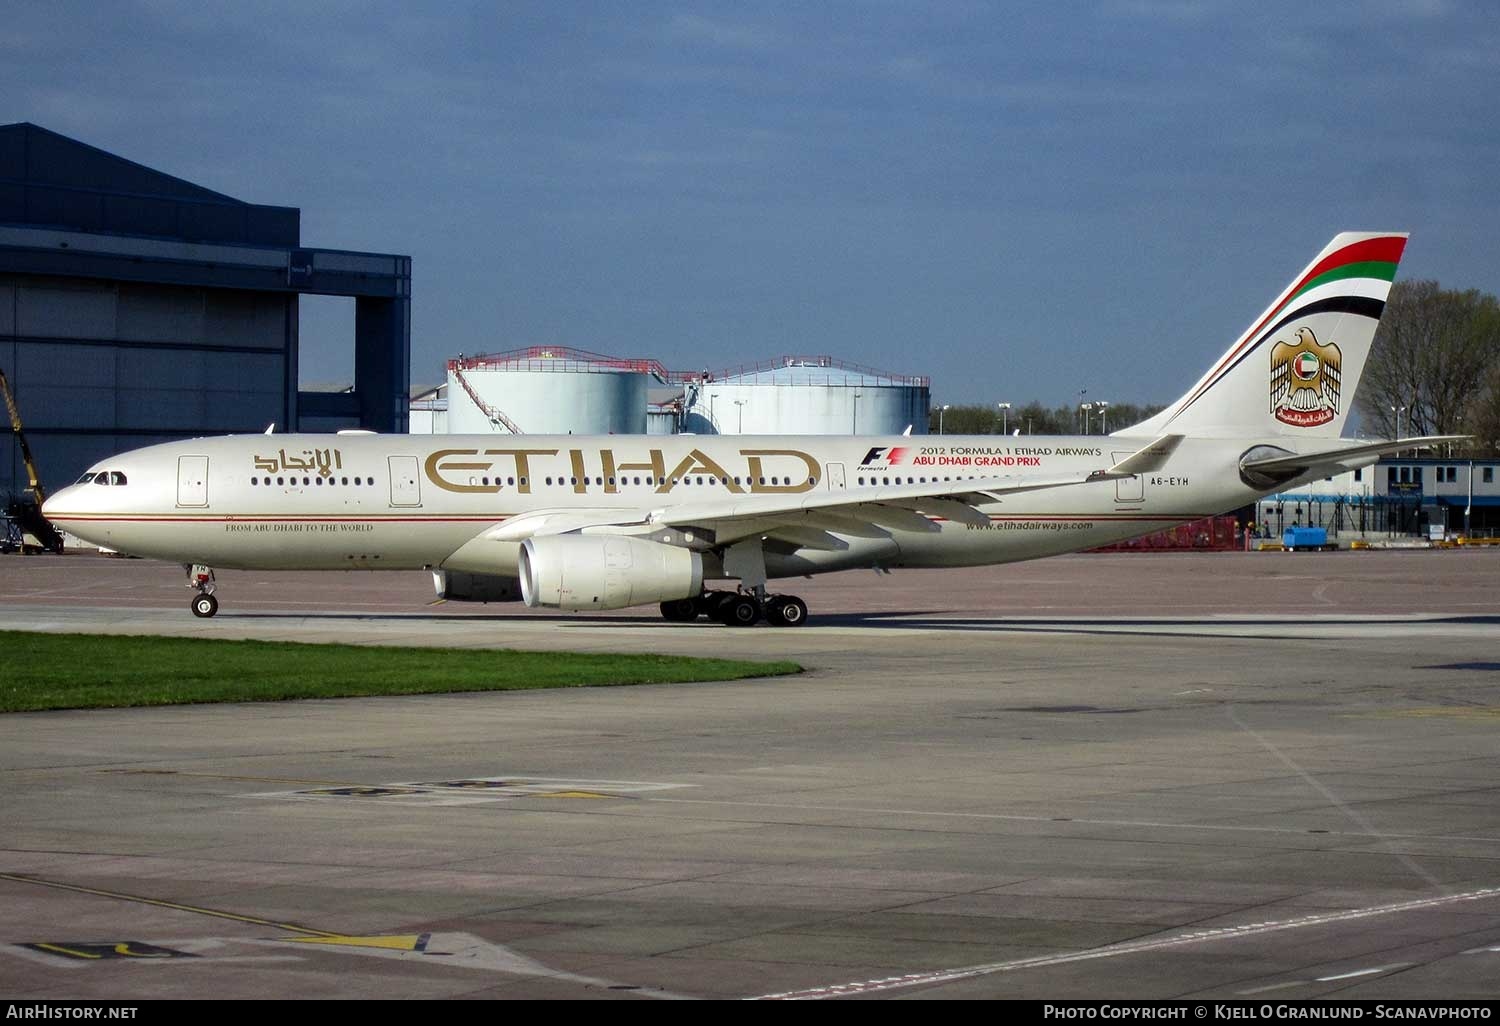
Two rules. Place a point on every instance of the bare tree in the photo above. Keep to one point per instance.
(1034, 419)
(1431, 360)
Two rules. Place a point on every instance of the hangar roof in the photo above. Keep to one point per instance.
(50, 180)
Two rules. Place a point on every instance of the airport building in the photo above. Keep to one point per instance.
(1399, 496)
(557, 390)
(136, 308)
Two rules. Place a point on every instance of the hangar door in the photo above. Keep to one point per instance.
(192, 480)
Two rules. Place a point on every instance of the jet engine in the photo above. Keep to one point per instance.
(456, 586)
(590, 571)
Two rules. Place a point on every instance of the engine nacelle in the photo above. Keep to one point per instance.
(597, 571)
(457, 586)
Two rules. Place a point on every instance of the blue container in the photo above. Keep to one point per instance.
(1304, 537)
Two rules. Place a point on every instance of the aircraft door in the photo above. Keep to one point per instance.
(1129, 489)
(192, 480)
(406, 490)
(836, 477)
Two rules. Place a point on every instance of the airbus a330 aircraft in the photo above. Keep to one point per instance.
(606, 522)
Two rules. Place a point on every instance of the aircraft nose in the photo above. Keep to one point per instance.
(60, 502)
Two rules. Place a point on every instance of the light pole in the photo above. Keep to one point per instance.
(942, 410)
(854, 425)
(711, 397)
(1086, 409)
(1004, 417)
(740, 423)
(1103, 416)
(1396, 422)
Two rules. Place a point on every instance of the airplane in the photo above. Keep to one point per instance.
(608, 522)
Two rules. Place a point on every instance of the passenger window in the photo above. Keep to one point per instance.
(280, 480)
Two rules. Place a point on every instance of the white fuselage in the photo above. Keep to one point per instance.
(321, 502)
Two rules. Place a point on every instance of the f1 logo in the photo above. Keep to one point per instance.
(883, 454)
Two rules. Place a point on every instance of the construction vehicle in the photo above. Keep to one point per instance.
(24, 512)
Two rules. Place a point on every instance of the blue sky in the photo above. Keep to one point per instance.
(1019, 200)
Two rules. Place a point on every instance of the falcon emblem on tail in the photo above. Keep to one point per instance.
(1305, 380)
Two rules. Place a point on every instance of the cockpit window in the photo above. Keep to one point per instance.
(86, 478)
(101, 478)
(116, 478)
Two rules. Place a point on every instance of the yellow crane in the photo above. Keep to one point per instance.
(28, 515)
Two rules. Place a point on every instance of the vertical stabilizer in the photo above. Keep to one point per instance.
(1295, 370)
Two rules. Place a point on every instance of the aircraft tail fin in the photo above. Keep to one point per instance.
(1295, 370)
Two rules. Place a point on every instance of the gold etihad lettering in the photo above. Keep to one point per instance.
(435, 468)
(696, 462)
(758, 479)
(766, 470)
(325, 461)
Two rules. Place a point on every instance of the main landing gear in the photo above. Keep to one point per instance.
(202, 578)
(738, 609)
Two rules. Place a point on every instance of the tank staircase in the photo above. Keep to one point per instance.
(495, 416)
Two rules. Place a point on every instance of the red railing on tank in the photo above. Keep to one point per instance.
(580, 361)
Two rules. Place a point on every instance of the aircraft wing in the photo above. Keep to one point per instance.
(813, 519)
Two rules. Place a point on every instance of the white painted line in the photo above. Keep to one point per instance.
(1364, 972)
(1274, 986)
(1128, 948)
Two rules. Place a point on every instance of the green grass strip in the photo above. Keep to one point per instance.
(103, 671)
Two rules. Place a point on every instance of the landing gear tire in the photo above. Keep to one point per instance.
(739, 611)
(786, 611)
(205, 605)
(684, 610)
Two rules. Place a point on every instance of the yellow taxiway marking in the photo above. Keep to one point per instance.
(228, 776)
(1466, 712)
(572, 794)
(394, 942)
(93, 952)
(70, 952)
(159, 903)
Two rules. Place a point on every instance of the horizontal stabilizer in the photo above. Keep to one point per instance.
(1333, 457)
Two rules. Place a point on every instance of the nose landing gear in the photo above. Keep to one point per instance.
(202, 578)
